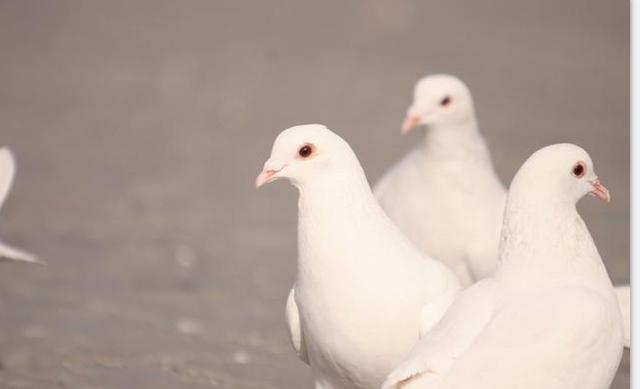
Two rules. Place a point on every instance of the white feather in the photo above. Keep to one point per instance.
(624, 300)
(7, 173)
(293, 325)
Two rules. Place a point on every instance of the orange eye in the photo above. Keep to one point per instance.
(445, 101)
(305, 151)
(579, 169)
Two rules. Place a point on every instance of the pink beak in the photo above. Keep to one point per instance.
(266, 176)
(600, 191)
(410, 122)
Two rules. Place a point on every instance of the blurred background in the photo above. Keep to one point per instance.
(139, 127)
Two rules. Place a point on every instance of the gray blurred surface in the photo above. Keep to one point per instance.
(139, 127)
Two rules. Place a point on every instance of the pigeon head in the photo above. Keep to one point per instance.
(562, 172)
(304, 153)
(439, 99)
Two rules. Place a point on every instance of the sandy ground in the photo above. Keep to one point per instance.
(139, 127)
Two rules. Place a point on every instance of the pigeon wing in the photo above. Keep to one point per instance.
(7, 172)
(534, 340)
(451, 337)
(295, 330)
(433, 312)
(624, 300)
(13, 254)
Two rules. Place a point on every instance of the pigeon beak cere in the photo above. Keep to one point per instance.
(267, 175)
(410, 122)
(599, 191)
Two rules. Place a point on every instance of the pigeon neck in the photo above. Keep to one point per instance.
(545, 238)
(459, 141)
(339, 225)
(346, 191)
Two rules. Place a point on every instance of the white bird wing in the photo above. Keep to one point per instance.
(451, 337)
(433, 312)
(7, 172)
(533, 340)
(13, 254)
(295, 330)
(624, 300)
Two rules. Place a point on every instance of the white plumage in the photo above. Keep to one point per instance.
(356, 308)
(549, 316)
(7, 173)
(445, 194)
(624, 300)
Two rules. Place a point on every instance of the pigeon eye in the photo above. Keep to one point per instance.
(579, 169)
(445, 101)
(305, 151)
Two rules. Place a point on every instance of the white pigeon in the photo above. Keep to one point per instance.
(356, 307)
(445, 194)
(548, 317)
(7, 173)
